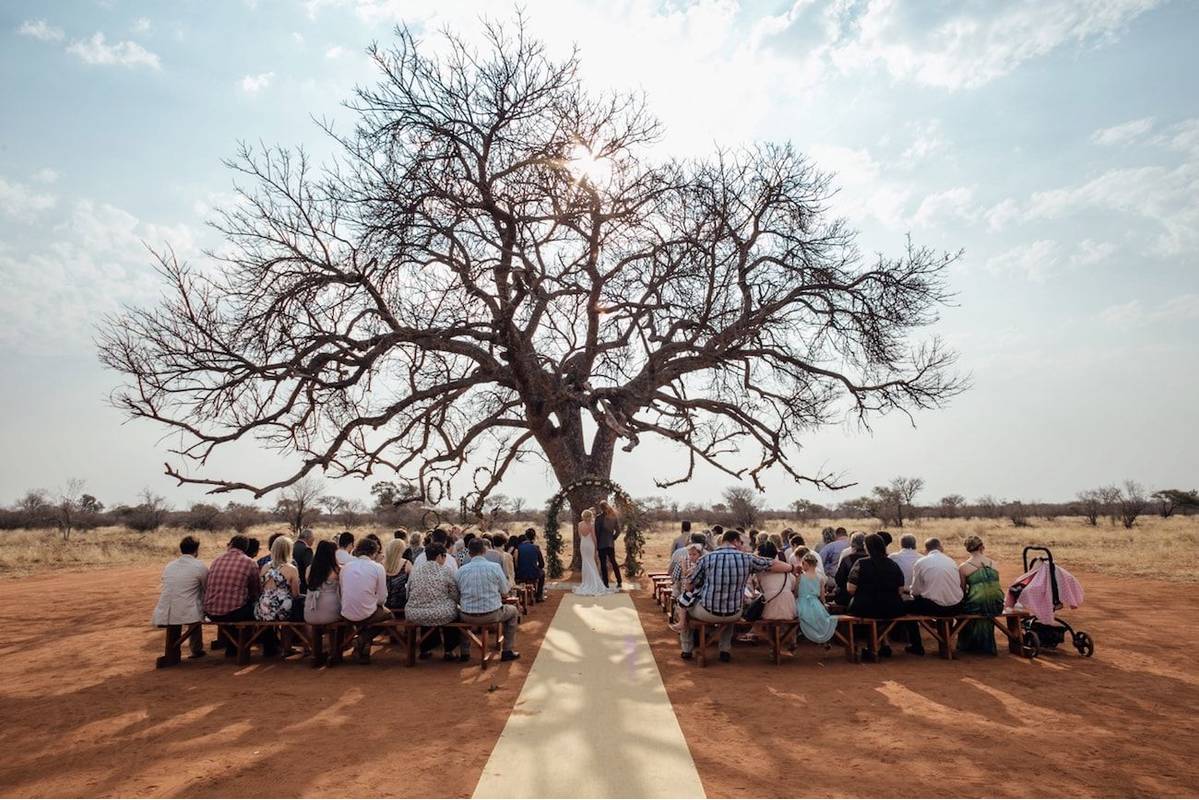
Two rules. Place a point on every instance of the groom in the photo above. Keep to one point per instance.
(606, 524)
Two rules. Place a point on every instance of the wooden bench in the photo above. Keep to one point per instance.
(944, 630)
(477, 634)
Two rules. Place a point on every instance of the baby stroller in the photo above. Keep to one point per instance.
(1037, 635)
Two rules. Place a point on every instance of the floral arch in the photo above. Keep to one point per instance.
(630, 519)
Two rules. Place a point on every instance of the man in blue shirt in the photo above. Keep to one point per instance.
(831, 552)
(530, 563)
(482, 587)
(719, 582)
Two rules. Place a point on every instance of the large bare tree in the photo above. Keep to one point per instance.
(495, 265)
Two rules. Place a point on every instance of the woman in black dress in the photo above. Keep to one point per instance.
(874, 586)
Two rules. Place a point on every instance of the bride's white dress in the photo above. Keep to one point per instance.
(591, 585)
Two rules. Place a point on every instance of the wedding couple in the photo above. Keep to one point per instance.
(597, 549)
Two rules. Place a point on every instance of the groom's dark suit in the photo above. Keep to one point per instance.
(606, 529)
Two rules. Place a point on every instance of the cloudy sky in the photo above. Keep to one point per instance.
(1056, 141)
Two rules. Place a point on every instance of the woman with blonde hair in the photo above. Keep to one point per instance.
(280, 586)
(592, 584)
(398, 569)
(984, 595)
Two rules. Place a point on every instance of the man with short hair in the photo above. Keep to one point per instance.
(831, 552)
(232, 589)
(850, 556)
(530, 563)
(907, 557)
(301, 554)
(498, 540)
(364, 595)
(936, 583)
(439, 536)
(181, 601)
(345, 543)
(482, 587)
(719, 581)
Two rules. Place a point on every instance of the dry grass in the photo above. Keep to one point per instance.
(1155, 548)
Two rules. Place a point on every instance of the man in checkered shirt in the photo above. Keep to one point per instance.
(233, 588)
(719, 581)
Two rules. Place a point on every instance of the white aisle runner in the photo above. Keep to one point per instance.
(593, 718)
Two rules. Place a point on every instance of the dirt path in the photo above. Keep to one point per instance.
(593, 719)
(1119, 724)
(83, 712)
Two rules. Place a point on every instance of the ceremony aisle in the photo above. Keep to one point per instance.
(593, 719)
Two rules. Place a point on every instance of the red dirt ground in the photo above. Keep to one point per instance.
(83, 712)
(1119, 724)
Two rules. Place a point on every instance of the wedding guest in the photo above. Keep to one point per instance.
(280, 586)
(499, 542)
(682, 565)
(345, 543)
(779, 588)
(850, 556)
(302, 556)
(322, 603)
(936, 583)
(232, 589)
(398, 570)
(831, 552)
(907, 557)
(270, 542)
(181, 598)
(440, 537)
(252, 548)
(364, 595)
(530, 563)
(433, 602)
(682, 539)
(984, 595)
(415, 546)
(874, 585)
(815, 623)
(482, 587)
(720, 578)
(400, 533)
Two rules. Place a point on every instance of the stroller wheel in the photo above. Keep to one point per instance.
(1031, 644)
(1084, 644)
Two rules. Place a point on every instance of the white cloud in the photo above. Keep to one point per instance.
(298, 38)
(1135, 314)
(1124, 133)
(334, 52)
(19, 202)
(1000, 214)
(41, 30)
(253, 84)
(141, 25)
(97, 50)
(952, 204)
(1182, 136)
(1091, 252)
(46, 175)
(925, 141)
(1035, 261)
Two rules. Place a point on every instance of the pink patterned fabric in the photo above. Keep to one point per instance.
(1037, 596)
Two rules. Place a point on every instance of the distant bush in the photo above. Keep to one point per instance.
(203, 517)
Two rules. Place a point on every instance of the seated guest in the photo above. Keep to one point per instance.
(400, 533)
(907, 557)
(460, 552)
(530, 563)
(499, 544)
(682, 565)
(364, 595)
(345, 543)
(270, 542)
(777, 587)
(415, 545)
(280, 586)
(827, 536)
(874, 585)
(301, 555)
(379, 552)
(433, 601)
(181, 599)
(887, 538)
(232, 589)
(683, 539)
(984, 595)
(322, 603)
(439, 537)
(815, 623)
(252, 548)
(482, 587)
(719, 579)
(849, 557)
(398, 570)
(936, 583)
(831, 552)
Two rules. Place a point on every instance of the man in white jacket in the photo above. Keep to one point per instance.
(181, 601)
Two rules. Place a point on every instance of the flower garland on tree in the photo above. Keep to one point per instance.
(634, 538)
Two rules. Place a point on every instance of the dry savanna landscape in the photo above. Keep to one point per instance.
(79, 679)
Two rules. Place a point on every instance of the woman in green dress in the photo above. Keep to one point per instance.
(984, 595)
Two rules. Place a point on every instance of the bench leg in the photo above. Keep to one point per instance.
(243, 646)
(483, 644)
(1015, 636)
(174, 640)
(703, 645)
(318, 646)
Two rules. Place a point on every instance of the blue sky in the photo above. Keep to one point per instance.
(1057, 142)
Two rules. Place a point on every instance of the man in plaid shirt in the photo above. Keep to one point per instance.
(719, 582)
(233, 588)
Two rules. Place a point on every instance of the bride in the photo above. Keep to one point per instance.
(591, 585)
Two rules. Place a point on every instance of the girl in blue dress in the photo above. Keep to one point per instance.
(815, 622)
